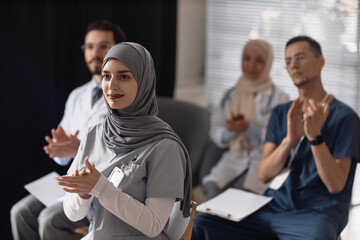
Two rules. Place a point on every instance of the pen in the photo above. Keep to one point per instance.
(134, 159)
(126, 163)
(215, 212)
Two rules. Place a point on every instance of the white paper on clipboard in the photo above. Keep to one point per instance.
(234, 204)
(46, 190)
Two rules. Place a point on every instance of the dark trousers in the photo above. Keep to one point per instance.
(265, 224)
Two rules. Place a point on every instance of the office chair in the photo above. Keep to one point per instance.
(180, 227)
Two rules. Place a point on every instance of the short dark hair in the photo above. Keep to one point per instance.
(106, 25)
(314, 45)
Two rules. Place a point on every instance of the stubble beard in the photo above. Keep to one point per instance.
(96, 71)
(303, 83)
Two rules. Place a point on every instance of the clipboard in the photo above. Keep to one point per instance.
(218, 213)
(45, 189)
(234, 204)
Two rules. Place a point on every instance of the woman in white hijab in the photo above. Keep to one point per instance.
(139, 167)
(239, 123)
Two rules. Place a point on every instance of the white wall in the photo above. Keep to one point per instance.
(190, 40)
(191, 20)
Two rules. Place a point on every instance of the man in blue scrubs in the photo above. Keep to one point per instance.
(314, 200)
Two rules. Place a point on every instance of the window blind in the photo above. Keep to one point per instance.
(333, 23)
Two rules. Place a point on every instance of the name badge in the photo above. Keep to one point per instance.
(116, 176)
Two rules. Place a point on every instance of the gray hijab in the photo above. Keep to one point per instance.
(137, 125)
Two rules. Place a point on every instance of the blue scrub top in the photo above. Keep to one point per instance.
(303, 189)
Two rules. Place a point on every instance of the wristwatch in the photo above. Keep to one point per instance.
(317, 141)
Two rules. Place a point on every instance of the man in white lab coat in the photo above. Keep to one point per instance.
(85, 107)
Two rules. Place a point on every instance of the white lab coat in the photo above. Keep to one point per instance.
(79, 115)
(230, 167)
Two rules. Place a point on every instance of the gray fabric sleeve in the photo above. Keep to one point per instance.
(166, 173)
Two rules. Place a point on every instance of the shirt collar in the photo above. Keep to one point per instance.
(94, 85)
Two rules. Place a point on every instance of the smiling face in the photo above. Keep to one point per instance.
(302, 64)
(119, 85)
(253, 64)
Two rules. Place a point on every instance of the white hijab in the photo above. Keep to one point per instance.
(242, 98)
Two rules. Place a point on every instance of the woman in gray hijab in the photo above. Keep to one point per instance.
(139, 167)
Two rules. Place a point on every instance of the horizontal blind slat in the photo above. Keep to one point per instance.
(231, 23)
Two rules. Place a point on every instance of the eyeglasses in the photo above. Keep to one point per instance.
(103, 47)
(296, 60)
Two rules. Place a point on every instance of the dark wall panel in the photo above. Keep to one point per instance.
(41, 62)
